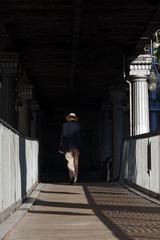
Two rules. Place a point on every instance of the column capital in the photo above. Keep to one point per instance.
(9, 62)
(141, 66)
(117, 95)
(35, 106)
(106, 106)
(25, 91)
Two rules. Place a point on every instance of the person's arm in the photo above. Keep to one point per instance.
(63, 133)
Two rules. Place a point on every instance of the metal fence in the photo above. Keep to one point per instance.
(140, 163)
(18, 169)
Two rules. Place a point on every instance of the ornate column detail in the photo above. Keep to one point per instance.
(25, 94)
(9, 63)
(117, 98)
(139, 69)
(34, 121)
(8, 71)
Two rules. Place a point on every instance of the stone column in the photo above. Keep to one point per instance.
(139, 69)
(25, 93)
(106, 131)
(8, 72)
(34, 119)
(117, 98)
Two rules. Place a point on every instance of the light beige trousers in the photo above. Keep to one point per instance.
(72, 157)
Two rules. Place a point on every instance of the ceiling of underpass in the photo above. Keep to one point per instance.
(72, 50)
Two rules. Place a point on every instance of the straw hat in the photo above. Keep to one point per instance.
(73, 115)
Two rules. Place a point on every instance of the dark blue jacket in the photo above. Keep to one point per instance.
(73, 133)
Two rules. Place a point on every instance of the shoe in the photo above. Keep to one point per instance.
(72, 180)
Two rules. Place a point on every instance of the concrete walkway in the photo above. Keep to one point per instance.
(88, 211)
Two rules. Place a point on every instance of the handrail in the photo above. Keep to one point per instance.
(19, 158)
(16, 131)
(144, 135)
(140, 161)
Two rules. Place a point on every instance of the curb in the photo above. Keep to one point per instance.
(10, 222)
(144, 195)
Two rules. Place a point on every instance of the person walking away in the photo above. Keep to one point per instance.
(72, 133)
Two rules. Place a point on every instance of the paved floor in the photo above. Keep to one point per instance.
(88, 211)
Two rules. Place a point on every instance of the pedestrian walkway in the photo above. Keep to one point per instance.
(88, 211)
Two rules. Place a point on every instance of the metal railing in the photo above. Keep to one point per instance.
(140, 163)
(18, 168)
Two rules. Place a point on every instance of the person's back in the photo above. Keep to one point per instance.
(72, 132)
